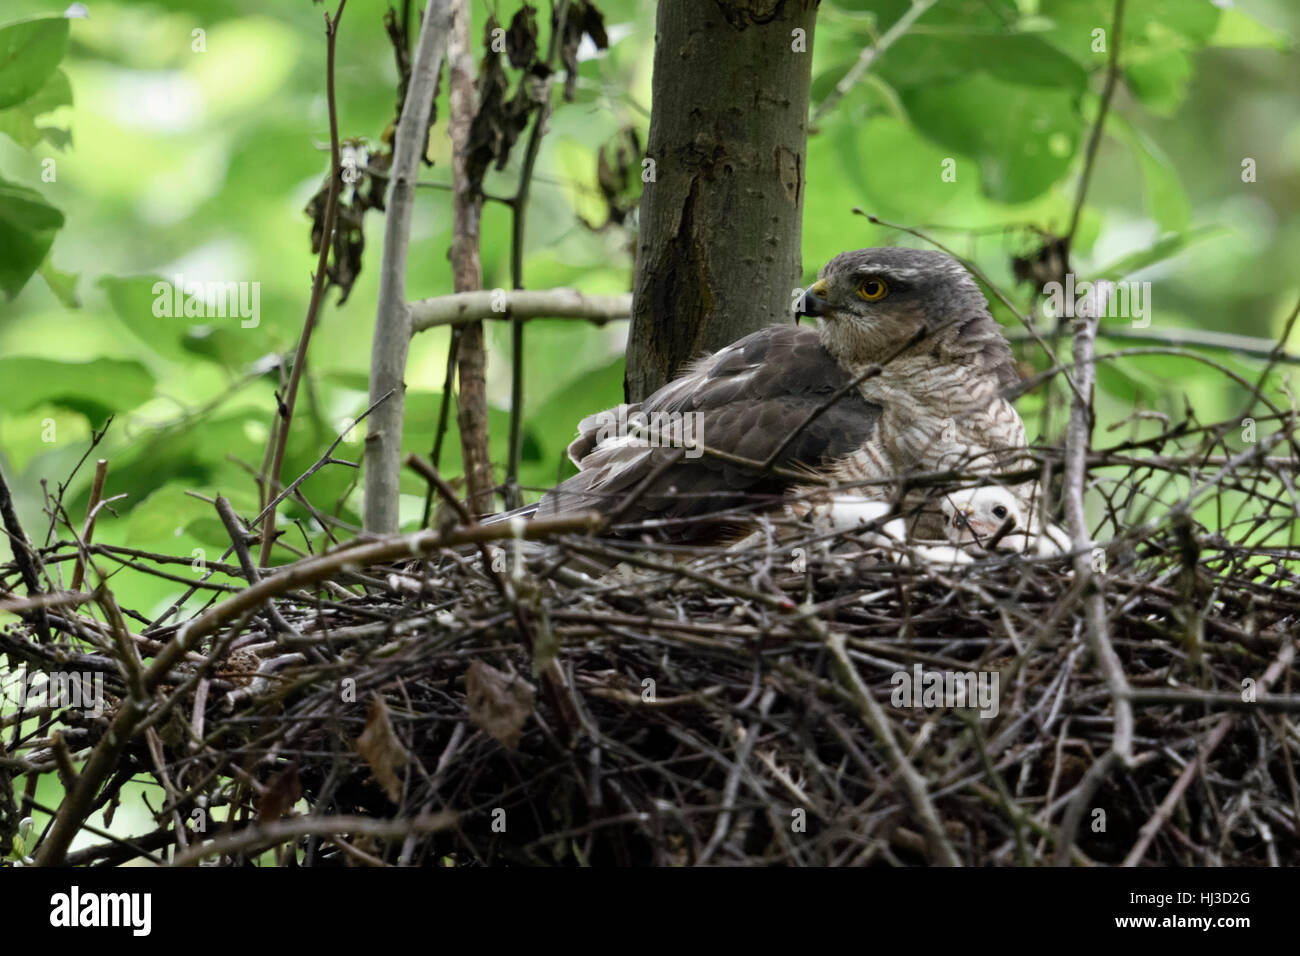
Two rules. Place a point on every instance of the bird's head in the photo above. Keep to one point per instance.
(976, 515)
(870, 302)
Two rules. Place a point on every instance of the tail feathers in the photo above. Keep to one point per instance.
(526, 511)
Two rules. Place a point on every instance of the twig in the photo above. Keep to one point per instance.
(256, 837)
(88, 529)
(867, 57)
(24, 556)
(239, 541)
(1149, 829)
(1094, 138)
(77, 803)
(1077, 445)
(553, 678)
(285, 417)
(871, 371)
(873, 716)
(96, 437)
(325, 459)
(519, 209)
(1199, 338)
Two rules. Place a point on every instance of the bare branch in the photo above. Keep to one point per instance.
(392, 338)
(867, 57)
(465, 307)
(466, 270)
(280, 434)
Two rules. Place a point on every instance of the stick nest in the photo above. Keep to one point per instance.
(702, 706)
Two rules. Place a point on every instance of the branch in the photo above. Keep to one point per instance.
(281, 434)
(1078, 442)
(871, 371)
(465, 307)
(1094, 138)
(256, 837)
(79, 801)
(392, 340)
(866, 58)
(873, 715)
(1194, 338)
(518, 209)
(25, 558)
(466, 269)
(88, 529)
(1215, 737)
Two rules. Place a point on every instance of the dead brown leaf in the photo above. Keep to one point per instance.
(499, 703)
(281, 793)
(379, 745)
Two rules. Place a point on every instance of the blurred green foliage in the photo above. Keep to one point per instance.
(185, 138)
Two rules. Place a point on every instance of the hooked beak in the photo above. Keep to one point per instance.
(813, 302)
(982, 530)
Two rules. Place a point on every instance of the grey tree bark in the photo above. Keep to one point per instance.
(721, 210)
(392, 339)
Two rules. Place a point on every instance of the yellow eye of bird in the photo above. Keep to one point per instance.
(873, 290)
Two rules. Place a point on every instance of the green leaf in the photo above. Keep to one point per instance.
(27, 227)
(149, 305)
(194, 457)
(30, 51)
(1166, 247)
(96, 389)
(62, 284)
(19, 122)
(1239, 29)
(907, 187)
(1160, 81)
(1194, 22)
(225, 346)
(418, 434)
(1166, 199)
(170, 514)
(1022, 137)
(1126, 384)
(1019, 58)
(132, 299)
(1151, 28)
(556, 420)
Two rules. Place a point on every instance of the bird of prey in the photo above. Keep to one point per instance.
(978, 515)
(808, 402)
(987, 517)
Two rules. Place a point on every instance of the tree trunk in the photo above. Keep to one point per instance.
(719, 253)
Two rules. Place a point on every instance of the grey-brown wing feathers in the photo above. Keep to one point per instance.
(744, 401)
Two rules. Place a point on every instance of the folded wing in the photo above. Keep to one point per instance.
(742, 401)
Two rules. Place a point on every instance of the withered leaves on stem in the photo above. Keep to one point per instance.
(521, 38)
(583, 17)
